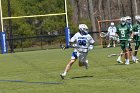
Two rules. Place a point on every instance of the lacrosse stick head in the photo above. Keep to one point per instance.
(137, 17)
(102, 34)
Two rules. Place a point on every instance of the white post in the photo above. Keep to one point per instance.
(66, 13)
(1, 17)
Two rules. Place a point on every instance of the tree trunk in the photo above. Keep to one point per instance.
(109, 12)
(99, 7)
(136, 7)
(119, 9)
(92, 17)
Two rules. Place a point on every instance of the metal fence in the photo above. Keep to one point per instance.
(40, 42)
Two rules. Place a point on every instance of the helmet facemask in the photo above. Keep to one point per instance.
(123, 21)
(83, 29)
(128, 19)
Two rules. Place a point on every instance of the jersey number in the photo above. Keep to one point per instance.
(122, 33)
(82, 42)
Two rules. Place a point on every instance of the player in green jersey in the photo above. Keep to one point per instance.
(124, 32)
(136, 31)
(129, 23)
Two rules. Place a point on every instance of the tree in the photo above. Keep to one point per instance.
(92, 17)
(136, 7)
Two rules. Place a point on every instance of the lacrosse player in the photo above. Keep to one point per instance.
(129, 23)
(82, 43)
(111, 33)
(136, 30)
(124, 32)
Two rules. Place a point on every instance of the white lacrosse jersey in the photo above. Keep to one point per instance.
(112, 31)
(82, 42)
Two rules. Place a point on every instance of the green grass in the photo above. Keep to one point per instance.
(32, 72)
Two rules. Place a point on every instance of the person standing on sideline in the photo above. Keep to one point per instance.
(82, 43)
(111, 33)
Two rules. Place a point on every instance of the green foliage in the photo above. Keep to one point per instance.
(33, 26)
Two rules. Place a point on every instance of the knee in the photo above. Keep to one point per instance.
(71, 62)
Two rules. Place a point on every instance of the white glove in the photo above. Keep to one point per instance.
(136, 33)
(90, 47)
(130, 39)
(74, 45)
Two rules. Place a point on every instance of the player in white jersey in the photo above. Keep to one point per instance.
(111, 33)
(82, 43)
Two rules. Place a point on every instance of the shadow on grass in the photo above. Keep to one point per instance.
(81, 77)
(21, 81)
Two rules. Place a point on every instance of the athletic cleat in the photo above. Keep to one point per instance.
(86, 64)
(114, 45)
(119, 61)
(126, 63)
(62, 76)
(136, 61)
(108, 46)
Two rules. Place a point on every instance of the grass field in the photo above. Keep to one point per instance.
(38, 72)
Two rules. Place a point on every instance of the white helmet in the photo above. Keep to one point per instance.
(128, 18)
(83, 29)
(112, 23)
(123, 21)
(137, 17)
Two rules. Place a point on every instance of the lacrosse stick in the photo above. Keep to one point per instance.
(115, 54)
(102, 34)
(120, 53)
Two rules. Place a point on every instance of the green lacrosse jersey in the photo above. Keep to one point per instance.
(136, 29)
(123, 32)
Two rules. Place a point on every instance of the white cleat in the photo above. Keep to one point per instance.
(86, 64)
(62, 76)
(114, 45)
(126, 63)
(108, 46)
(119, 61)
(136, 61)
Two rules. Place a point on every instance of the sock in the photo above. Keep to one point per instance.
(127, 60)
(119, 58)
(64, 73)
(134, 58)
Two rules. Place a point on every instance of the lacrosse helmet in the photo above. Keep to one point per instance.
(137, 17)
(128, 19)
(83, 29)
(123, 21)
(112, 23)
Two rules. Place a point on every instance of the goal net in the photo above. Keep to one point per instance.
(103, 27)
